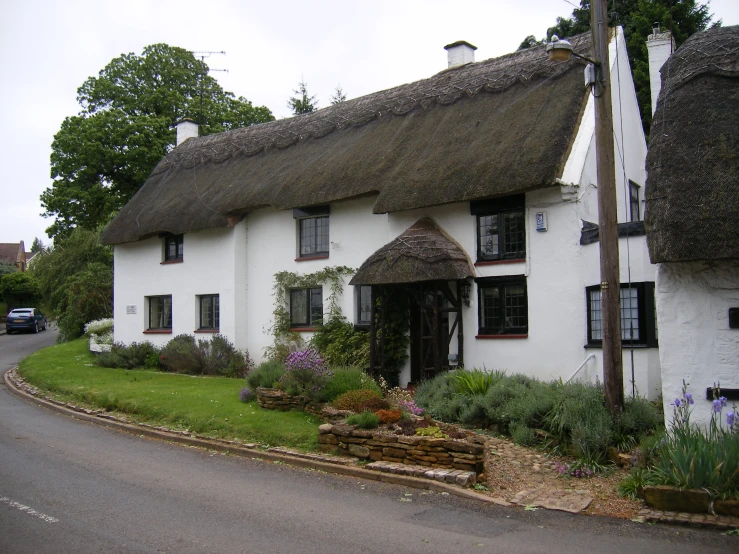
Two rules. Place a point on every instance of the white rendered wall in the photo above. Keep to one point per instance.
(696, 344)
(207, 268)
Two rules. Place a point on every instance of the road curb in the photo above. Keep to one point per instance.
(246, 452)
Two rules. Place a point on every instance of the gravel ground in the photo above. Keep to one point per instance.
(511, 469)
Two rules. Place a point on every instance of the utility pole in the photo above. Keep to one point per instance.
(613, 378)
(205, 54)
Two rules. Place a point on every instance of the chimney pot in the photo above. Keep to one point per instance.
(659, 47)
(460, 53)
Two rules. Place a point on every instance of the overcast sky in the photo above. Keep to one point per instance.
(50, 47)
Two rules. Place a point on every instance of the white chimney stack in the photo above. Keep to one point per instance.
(460, 53)
(186, 129)
(659, 47)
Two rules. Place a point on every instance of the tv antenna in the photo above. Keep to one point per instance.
(205, 54)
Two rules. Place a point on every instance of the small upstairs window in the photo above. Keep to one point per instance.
(501, 228)
(634, 201)
(173, 248)
(313, 241)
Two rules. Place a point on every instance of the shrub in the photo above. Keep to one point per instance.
(265, 374)
(431, 431)
(521, 434)
(577, 469)
(365, 420)
(639, 478)
(374, 404)
(389, 416)
(474, 381)
(345, 379)
(340, 344)
(132, 356)
(99, 326)
(354, 400)
(639, 418)
(247, 395)
(215, 357)
(409, 426)
(180, 355)
(434, 395)
(305, 374)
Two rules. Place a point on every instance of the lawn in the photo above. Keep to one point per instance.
(208, 406)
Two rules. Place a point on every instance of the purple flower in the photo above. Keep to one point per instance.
(246, 395)
(730, 418)
(722, 399)
(677, 403)
(717, 406)
(689, 398)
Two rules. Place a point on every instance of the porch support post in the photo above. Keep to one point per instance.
(373, 332)
(460, 332)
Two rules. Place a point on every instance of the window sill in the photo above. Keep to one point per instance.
(303, 329)
(158, 332)
(624, 346)
(206, 331)
(167, 262)
(500, 262)
(502, 336)
(310, 258)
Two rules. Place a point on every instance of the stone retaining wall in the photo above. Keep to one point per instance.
(414, 450)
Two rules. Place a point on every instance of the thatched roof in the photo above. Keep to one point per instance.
(422, 253)
(487, 129)
(692, 187)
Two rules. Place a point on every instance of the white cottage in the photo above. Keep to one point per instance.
(692, 219)
(469, 196)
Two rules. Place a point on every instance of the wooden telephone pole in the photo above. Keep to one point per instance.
(607, 218)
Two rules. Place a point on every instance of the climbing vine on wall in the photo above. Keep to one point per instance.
(286, 341)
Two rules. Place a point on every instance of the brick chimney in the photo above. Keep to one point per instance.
(460, 53)
(659, 47)
(186, 129)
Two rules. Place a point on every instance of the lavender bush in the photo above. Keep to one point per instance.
(305, 374)
(246, 395)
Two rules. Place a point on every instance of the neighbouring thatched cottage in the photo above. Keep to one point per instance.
(692, 218)
(467, 198)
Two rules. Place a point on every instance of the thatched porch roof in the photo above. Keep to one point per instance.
(692, 187)
(422, 253)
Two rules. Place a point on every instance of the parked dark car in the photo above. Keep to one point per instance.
(27, 319)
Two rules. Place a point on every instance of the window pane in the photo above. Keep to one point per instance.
(488, 236)
(160, 312)
(629, 314)
(596, 316)
(298, 307)
(322, 234)
(209, 308)
(314, 236)
(515, 237)
(491, 309)
(515, 306)
(365, 304)
(216, 312)
(316, 306)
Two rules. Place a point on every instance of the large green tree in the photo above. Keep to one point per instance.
(102, 156)
(19, 290)
(75, 279)
(682, 17)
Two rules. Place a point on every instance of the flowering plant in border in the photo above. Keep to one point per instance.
(305, 373)
(99, 327)
(246, 395)
(575, 469)
(693, 458)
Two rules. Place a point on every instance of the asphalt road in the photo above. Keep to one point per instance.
(69, 486)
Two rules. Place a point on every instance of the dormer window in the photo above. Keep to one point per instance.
(313, 239)
(501, 228)
(173, 248)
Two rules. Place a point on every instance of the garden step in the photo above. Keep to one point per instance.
(328, 458)
(445, 475)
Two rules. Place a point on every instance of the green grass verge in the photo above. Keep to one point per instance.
(208, 406)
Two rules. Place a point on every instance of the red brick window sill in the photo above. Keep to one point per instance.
(501, 336)
(206, 331)
(500, 262)
(311, 258)
(168, 262)
(158, 332)
(303, 329)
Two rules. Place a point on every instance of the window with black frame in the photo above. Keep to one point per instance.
(634, 201)
(313, 226)
(306, 307)
(210, 312)
(502, 306)
(364, 304)
(160, 312)
(173, 248)
(501, 228)
(638, 315)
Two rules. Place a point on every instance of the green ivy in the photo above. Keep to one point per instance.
(286, 341)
